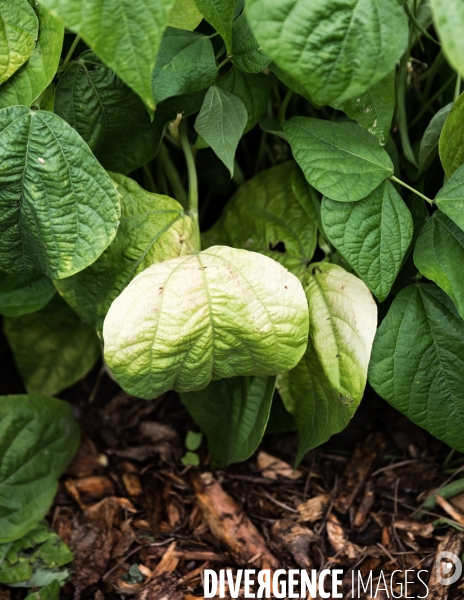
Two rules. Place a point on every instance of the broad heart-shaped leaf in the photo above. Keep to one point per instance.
(58, 207)
(439, 255)
(265, 215)
(253, 89)
(124, 33)
(429, 143)
(185, 63)
(219, 13)
(374, 109)
(220, 313)
(341, 160)
(450, 199)
(449, 21)
(19, 28)
(52, 348)
(110, 117)
(185, 15)
(221, 123)
(246, 53)
(336, 50)
(373, 235)
(343, 320)
(233, 414)
(22, 294)
(417, 361)
(451, 144)
(35, 75)
(38, 437)
(153, 228)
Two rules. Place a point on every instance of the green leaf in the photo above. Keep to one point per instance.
(108, 115)
(22, 294)
(190, 459)
(290, 82)
(185, 15)
(373, 235)
(341, 160)
(125, 34)
(439, 255)
(450, 199)
(153, 228)
(221, 123)
(374, 109)
(59, 209)
(233, 414)
(246, 53)
(185, 63)
(265, 215)
(19, 28)
(38, 438)
(417, 361)
(253, 89)
(193, 440)
(449, 22)
(451, 144)
(49, 592)
(220, 313)
(429, 143)
(36, 74)
(219, 14)
(336, 50)
(52, 348)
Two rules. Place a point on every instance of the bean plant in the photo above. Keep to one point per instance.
(258, 206)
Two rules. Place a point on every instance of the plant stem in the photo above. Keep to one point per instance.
(457, 89)
(431, 100)
(401, 115)
(284, 105)
(396, 180)
(419, 25)
(212, 35)
(68, 57)
(150, 183)
(193, 184)
(173, 176)
(224, 62)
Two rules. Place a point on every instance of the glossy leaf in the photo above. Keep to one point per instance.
(335, 50)
(153, 228)
(125, 34)
(19, 28)
(429, 143)
(373, 235)
(341, 160)
(246, 52)
(59, 209)
(185, 63)
(451, 144)
(52, 348)
(450, 199)
(221, 123)
(233, 414)
(253, 89)
(185, 15)
(265, 215)
(38, 437)
(417, 361)
(219, 13)
(36, 74)
(449, 21)
(220, 313)
(22, 294)
(439, 255)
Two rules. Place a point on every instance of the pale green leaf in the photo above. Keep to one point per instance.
(449, 22)
(233, 414)
(341, 160)
(418, 359)
(52, 348)
(220, 313)
(373, 235)
(450, 199)
(336, 50)
(185, 63)
(153, 228)
(38, 437)
(221, 123)
(429, 143)
(439, 255)
(22, 294)
(246, 53)
(19, 28)
(33, 77)
(59, 208)
(219, 14)
(451, 144)
(185, 15)
(124, 33)
(265, 215)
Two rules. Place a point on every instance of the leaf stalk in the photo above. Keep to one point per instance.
(193, 184)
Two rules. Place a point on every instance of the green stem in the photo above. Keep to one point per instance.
(212, 35)
(432, 99)
(401, 115)
(150, 183)
(193, 184)
(284, 105)
(173, 176)
(68, 57)
(224, 62)
(457, 89)
(419, 25)
(396, 180)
